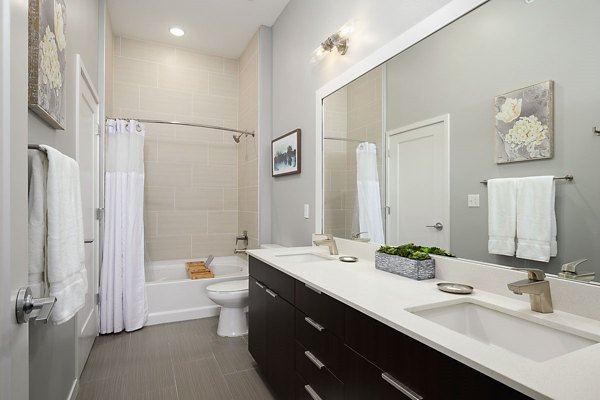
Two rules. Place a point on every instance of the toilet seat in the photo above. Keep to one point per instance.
(229, 286)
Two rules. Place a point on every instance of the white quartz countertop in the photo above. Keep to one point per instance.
(386, 297)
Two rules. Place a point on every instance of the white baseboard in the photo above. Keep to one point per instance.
(74, 390)
(182, 315)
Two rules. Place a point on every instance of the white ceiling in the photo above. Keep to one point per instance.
(219, 27)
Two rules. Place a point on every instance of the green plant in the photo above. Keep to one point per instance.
(414, 252)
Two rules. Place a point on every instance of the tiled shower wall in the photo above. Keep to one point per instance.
(248, 147)
(191, 192)
(361, 103)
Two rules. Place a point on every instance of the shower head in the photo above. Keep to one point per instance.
(236, 138)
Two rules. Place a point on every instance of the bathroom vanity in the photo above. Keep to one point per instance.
(322, 329)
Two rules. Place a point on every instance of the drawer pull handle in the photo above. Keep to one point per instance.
(311, 392)
(271, 293)
(314, 324)
(312, 288)
(260, 285)
(314, 359)
(399, 386)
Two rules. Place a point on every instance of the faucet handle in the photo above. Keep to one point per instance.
(356, 235)
(533, 274)
(572, 266)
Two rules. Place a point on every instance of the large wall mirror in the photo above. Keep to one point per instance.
(407, 145)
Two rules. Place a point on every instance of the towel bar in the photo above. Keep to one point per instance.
(565, 178)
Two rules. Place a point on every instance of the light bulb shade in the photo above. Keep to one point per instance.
(176, 31)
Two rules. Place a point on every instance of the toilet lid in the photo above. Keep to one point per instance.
(229, 286)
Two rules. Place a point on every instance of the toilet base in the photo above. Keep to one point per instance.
(232, 322)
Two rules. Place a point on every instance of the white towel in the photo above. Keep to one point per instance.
(38, 174)
(502, 216)
(65, 256)
(536, 218)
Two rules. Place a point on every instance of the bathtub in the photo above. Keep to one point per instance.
(172, 296)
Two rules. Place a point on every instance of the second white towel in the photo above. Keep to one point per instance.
(536, 218)
(502, 216)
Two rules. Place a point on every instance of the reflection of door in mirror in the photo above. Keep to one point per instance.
(417, 176)
(351, 115)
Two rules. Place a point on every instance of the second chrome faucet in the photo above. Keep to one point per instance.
(329, 242)
(537, 287)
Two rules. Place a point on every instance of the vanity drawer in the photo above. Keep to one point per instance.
(321, 308)
(315, 373)
(274, 279)
(321, 342)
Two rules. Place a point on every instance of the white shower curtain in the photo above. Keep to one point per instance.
(369, 199)
(122, 279)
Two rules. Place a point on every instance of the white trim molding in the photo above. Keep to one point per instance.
(436, 21)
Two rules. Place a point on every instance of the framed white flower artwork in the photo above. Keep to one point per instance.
(47, 60)
(524, 121)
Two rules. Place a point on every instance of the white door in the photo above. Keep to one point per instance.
(87, 114)
(417, 184)
(14, 338)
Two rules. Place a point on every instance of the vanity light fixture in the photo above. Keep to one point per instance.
(339, 40)
(176, 31)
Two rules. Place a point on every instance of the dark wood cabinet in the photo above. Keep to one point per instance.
(309, 344)
(257, 321)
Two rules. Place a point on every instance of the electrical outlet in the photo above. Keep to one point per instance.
(473, 200)
(306, 211)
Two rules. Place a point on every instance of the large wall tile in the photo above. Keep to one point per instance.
(162, 100)
(182, 79)
(135, 72)
(213, 175)
(163, 174)
(170, 151)
(223, 84)
(217, 245)
(181, 222)
(170, 247)
(126, 95)
(225, 153)
(216, 107)
(147, 51)
(222, 222)
(159, 198)
(204, 62)
(198, 198)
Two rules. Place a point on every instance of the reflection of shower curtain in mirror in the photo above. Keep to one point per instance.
(122, 279)
(369, 200)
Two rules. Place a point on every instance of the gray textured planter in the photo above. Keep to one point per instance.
(413, 269)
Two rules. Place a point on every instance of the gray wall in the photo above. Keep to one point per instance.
(502, 46)
(52, 349)
(298, 31)
(265, 120)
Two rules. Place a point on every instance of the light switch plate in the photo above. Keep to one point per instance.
(473, 200)
(306, 211)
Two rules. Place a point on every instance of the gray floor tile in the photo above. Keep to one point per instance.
(248, 385)
(178, 361)
(168, 393)
(233, 355)
(201, 380)
(102, 389)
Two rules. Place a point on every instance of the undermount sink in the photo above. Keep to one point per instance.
(303, 257)
(495, 328)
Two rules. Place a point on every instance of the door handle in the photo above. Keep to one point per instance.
(37, 309)
(438, 226)
(314, 324)
(311, 392)
(271, 293)
(314, 359)
(401, 387)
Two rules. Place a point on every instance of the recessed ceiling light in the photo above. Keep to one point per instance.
(176, 31)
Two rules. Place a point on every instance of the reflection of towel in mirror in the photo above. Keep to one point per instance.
(502, 216)
(369, 199)
(536, 218)
(66, 258)
(38, 174)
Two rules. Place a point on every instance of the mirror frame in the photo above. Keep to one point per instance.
(434, 22)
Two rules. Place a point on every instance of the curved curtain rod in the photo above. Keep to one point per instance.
(158, 121)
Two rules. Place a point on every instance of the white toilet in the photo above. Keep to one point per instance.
(232, 296)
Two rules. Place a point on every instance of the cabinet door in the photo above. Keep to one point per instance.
(257, 323)
(280, 345)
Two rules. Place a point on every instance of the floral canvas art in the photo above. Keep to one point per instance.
(47, 59)
(524, 124)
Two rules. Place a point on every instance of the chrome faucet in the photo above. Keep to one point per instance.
(329, 242)
(356, 237)
(537, 287)
(569, 271)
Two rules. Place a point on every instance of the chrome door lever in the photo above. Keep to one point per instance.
(438, 226)
(37, 309)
